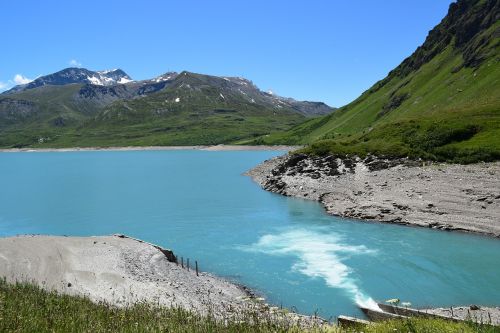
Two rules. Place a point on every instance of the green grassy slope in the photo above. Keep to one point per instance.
(443, 102)
(52, 113)
(25, 308)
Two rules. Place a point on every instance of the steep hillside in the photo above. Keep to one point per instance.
(442, 102)
(78, 107)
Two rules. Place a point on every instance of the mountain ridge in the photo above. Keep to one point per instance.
(76, 106)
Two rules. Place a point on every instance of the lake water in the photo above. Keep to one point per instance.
(199, 204)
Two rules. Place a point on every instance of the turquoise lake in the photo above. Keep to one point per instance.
(199, 204)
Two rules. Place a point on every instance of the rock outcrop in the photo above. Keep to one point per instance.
(401, 191)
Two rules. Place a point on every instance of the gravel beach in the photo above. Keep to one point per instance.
(439, 196)
(134, 148)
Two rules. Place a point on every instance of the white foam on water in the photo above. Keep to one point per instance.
(320, 255)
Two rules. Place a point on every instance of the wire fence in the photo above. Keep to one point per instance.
(186, 264)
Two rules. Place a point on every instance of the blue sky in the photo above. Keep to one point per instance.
(324, 50)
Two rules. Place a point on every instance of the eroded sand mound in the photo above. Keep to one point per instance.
(114, 269)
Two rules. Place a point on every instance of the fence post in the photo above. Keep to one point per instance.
(196, 264)
(188, 264)
(182, 262)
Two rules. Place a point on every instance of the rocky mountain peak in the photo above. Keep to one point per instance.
(77, 75)
(114, 76)
(165, 77)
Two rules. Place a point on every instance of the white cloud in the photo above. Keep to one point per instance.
(76, 63)
(20, 79)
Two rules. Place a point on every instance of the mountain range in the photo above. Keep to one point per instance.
(442, 102)
(80, 107)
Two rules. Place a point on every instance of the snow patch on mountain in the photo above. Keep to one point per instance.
(95, 80)
(124, 80)
(165, 77)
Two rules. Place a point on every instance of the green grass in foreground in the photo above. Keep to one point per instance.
(26, 308)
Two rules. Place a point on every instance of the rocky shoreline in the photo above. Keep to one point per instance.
(399, 191)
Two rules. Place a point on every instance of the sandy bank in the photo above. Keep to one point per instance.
(206, 148)
(440, 196)
(120, 271)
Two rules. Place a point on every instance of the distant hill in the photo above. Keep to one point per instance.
(79, 107)
(442, 102)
